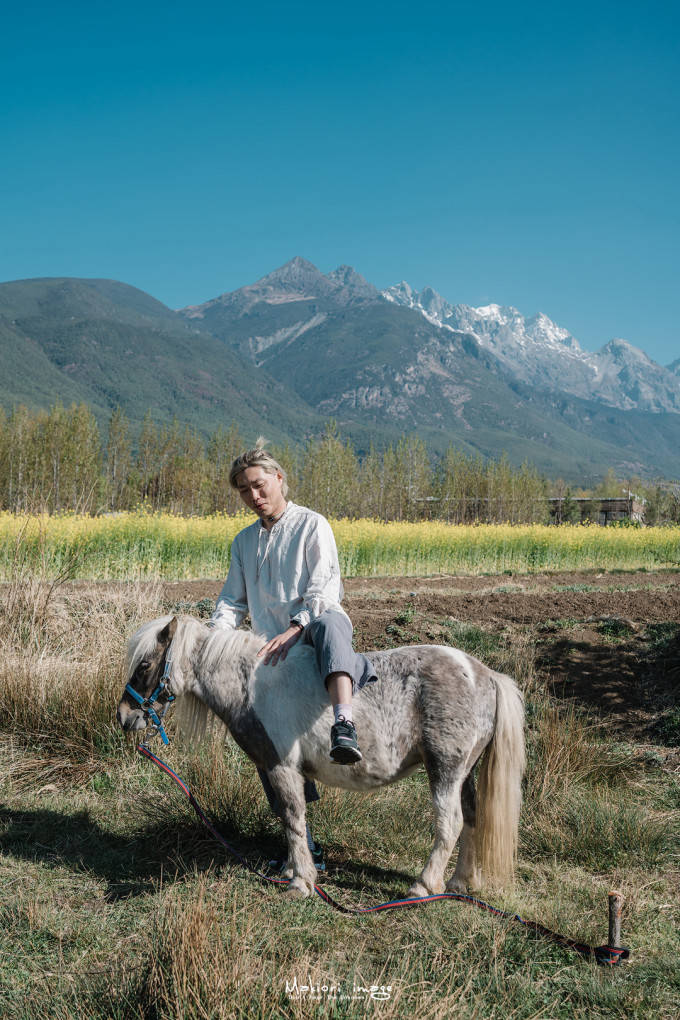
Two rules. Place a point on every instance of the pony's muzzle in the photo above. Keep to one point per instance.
(130, 719)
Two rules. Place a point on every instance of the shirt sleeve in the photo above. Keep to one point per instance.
(324, 587)
(232, 604)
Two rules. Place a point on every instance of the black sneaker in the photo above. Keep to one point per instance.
(344, 746)
(280, 864)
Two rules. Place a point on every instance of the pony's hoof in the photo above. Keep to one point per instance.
(456, 885)
(298, 889)
(472, 883)
(417, 890)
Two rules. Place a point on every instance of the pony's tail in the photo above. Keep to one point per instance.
(499, 789)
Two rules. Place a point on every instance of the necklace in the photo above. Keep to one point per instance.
(277, 517)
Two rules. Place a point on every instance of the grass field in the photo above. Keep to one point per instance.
(129, 546)
(117, 904)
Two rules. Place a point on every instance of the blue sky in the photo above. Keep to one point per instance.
(525, 154)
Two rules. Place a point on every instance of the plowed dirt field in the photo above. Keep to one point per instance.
(527, 599)
(609, 641)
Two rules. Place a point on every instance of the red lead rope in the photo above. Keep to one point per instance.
(609, 955)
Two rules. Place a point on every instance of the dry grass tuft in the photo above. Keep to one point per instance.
(47, 769)
(193, 970)
(566, 749)
(210, 963)
(61, 672)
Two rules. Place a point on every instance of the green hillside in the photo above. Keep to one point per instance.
(109, 344)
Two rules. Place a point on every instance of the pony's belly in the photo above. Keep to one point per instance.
(367, 774)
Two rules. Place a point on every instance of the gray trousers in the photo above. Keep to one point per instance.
(330, 635)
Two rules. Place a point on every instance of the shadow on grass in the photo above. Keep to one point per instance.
(353, 877)
(603, 677)
(127, 863)
(130, 863)
(632, 684)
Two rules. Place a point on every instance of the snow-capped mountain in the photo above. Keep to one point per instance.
(539, 352)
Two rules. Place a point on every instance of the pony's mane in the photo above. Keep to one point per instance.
(240, 645)
(143, 642)
(195, 720)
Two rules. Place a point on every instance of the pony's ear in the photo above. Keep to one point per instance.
(165, 636)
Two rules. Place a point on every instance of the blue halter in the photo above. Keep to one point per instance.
(146, 704)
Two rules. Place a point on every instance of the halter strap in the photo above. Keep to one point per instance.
(162, 691)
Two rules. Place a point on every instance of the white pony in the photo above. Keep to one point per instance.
(431, 705)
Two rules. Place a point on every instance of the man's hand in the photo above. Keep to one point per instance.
(280, 645)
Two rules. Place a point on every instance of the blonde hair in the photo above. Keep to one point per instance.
(257, 457)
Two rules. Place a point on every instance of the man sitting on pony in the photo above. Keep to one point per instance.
(284, 571)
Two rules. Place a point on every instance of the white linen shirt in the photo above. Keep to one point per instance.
(290, 573)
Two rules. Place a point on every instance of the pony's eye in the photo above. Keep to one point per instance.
(144, 664)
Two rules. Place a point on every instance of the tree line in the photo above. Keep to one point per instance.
(58, 461)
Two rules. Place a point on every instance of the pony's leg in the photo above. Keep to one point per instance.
(289, 785)
(448, 822)
(466, 876)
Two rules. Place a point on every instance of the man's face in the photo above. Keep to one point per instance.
(261, 492)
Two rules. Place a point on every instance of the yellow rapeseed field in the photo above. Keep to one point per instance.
(143, 545)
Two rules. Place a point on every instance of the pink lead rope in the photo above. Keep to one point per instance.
(607, 955)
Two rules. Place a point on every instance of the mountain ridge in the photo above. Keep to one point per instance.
(382, 360)
(536, 350)
(297, 347)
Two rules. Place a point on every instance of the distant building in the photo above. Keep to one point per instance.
(597, 510)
